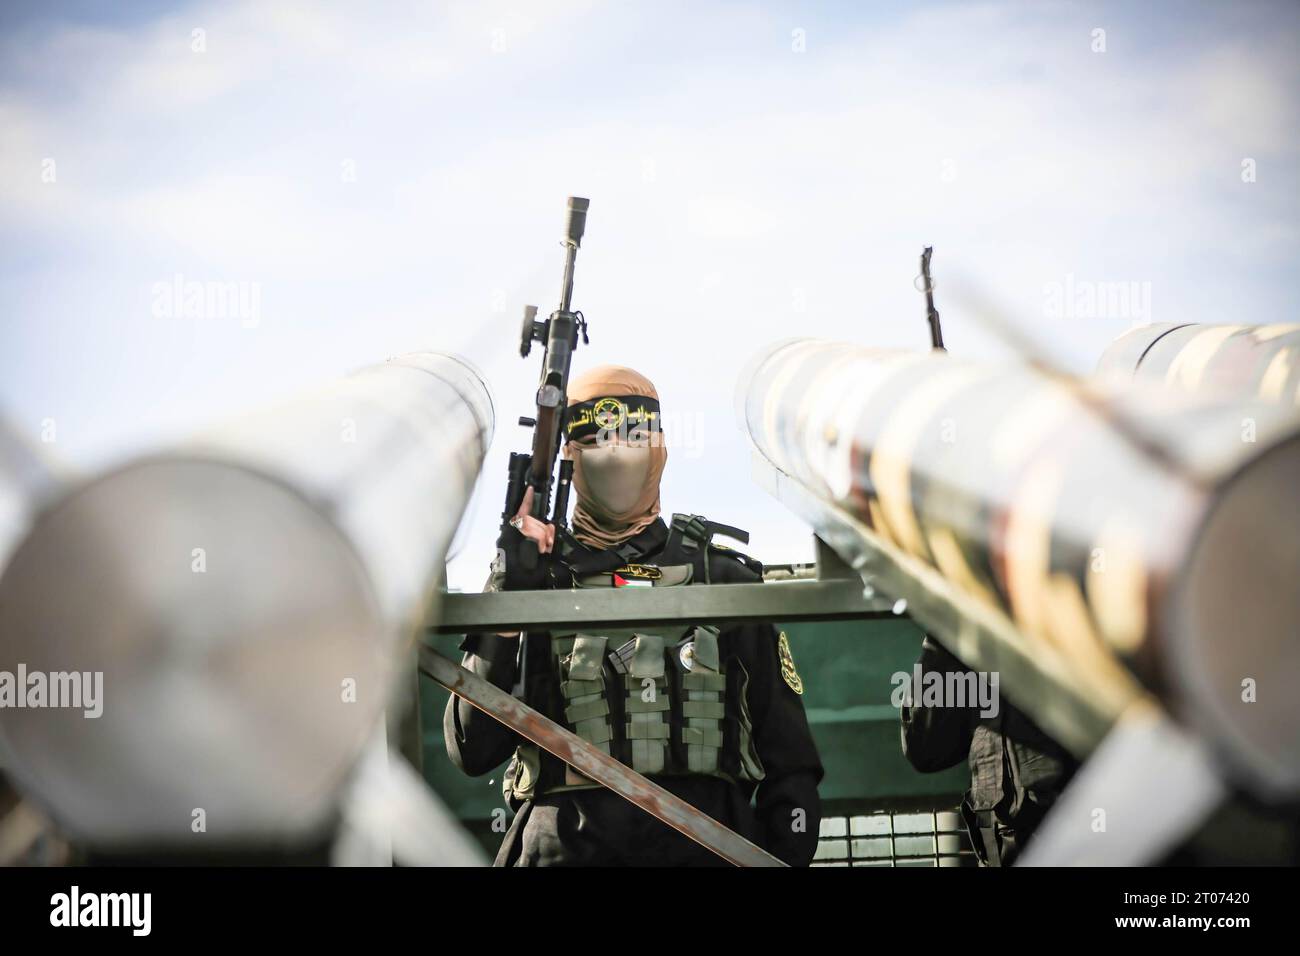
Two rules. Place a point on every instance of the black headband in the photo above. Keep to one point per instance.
(612, 413)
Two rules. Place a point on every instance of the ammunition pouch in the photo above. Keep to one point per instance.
(664, 701)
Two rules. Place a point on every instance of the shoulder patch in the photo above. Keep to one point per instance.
(788, 672)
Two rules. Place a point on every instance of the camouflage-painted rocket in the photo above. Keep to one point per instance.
(1243, 362)
(1093, 547)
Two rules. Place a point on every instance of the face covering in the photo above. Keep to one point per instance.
(615, 475)
(616, 485)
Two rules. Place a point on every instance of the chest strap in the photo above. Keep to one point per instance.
(589, 561)
(689, 539)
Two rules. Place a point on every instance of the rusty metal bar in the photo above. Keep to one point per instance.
(596, 764)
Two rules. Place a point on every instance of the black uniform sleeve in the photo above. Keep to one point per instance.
(787, 805)
(936, 738)
(476, 743)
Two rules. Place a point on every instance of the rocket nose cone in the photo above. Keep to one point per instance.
(1232, 637)
(237, 645)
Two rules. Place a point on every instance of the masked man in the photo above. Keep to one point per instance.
(713, 715)
(1017, 771)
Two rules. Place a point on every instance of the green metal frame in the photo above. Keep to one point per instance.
(831, 592)
(628, 607)
(847, 647)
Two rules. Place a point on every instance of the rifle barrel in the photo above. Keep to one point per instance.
(931, 313)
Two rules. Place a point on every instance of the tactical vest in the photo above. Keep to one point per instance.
(664, 700)
(1017, 772)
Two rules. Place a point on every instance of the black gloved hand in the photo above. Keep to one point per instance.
(525, 567)
(525, 549)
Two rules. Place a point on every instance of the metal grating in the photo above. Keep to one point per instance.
(882, 838)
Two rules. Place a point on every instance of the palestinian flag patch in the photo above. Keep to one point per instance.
(622, 582)
(636, 576)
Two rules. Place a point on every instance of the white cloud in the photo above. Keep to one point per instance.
(740, 192)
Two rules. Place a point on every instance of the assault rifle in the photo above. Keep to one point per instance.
(559, 334)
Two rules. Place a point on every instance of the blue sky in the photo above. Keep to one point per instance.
(394, 179)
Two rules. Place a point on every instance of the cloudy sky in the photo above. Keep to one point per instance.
(391, 177)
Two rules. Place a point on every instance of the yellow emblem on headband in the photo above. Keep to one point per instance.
(787, 665)
(608, 413)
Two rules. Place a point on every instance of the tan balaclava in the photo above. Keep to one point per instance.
(617, 481)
